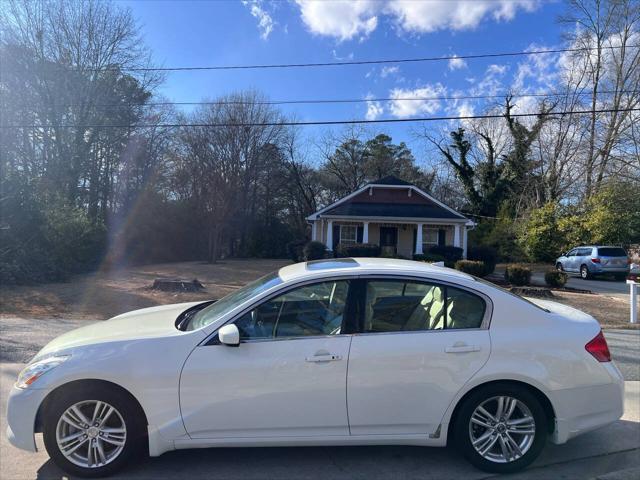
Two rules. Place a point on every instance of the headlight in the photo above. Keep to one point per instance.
(39, 368)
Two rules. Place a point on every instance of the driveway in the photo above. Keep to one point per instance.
(612, 448)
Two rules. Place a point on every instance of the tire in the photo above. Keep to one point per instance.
(117, 448)
(584, 273)
(559, 267)
(531, 444)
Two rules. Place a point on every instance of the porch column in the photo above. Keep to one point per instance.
(419, 239)
(330, 235)
(464, 242)
(314, 230)
(365, 233)
(456, 236)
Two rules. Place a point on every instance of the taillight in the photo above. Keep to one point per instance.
(595, 260)
(598, 348)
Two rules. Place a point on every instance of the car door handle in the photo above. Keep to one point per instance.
(462, 348)
(324, 358)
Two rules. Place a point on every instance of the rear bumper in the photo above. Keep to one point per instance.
(596, 268)
(580, 410)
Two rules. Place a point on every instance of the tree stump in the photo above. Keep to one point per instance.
(177, 285)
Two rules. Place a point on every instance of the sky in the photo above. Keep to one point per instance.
(203, 33)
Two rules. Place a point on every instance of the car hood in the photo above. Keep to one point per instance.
(136, 325)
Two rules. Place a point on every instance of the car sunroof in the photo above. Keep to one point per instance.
(331, 263)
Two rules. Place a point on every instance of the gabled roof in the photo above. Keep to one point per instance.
(391, 210)
(397, 210)
(389, 180)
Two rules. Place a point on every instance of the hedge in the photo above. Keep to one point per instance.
(472, 267)
(314, 251)
(555, 279)
(517, 274)
(358, 250)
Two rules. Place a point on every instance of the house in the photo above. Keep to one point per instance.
(394, 214)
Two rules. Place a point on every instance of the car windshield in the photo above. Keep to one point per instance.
(612, 252)
(207, 315)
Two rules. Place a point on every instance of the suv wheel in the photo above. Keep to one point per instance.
(501, 428)
(559, 267)
(584, 272)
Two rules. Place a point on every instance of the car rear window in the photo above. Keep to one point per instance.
(612, 252)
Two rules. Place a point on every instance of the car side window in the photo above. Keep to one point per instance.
(584, 252)
(400, 306)
(311, 310)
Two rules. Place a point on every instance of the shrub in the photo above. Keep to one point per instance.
(358, 250)
(450, 254)
(486, 254)
(516, 274)
(429, 257)
(472, 267)
(294, 249)
(556, 279)
(314, 251)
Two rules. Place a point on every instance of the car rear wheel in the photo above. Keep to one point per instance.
(501, 428)
(92, 432)
(584, 272)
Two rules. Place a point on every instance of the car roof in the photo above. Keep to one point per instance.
(365, 265)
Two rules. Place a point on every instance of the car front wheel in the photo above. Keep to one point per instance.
(501, 428)
(92, 432)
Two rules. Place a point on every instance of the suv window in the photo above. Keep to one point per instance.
(397, 306)
(311, 310)
(584, 252)
(611, 252)
(572, 253)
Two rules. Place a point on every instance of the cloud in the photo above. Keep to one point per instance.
(425, 17)
(265, 22)
(457, 63)
(348, 19)
(341, 19)
(403, 105)
(386, 71)
(374, 109)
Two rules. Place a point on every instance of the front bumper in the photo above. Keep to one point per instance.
(22, 411)
(580, 410)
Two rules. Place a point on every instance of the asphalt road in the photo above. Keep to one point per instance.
(604, 285)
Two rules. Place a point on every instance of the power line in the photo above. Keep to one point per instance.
(342, 101)
(325, 122)
(362, 62)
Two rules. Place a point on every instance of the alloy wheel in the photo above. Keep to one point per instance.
(502, 429)
(91, 434)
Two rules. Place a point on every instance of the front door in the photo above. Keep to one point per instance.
(420, 342)
(286, 378)
(388, 237)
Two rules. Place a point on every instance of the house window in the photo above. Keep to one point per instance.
(429, 237)
(348, 234)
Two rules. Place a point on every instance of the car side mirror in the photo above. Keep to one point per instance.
(229, 335)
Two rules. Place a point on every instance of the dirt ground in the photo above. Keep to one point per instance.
(102, 295)
(611, 312)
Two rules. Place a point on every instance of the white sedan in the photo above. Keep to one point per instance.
(333, 352)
